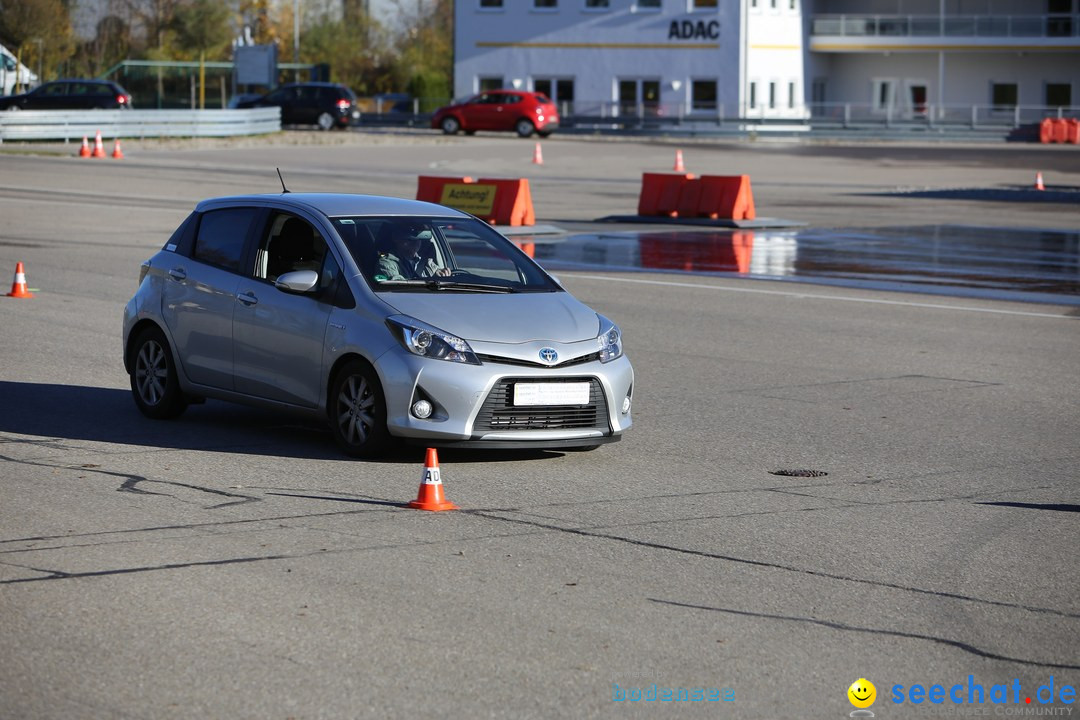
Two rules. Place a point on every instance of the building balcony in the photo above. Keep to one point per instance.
(869, 33)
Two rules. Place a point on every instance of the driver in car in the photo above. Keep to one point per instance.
(404, 261)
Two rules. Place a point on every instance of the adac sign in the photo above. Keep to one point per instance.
(694, 30)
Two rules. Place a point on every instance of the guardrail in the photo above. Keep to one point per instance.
(77, 124)
(981, 26)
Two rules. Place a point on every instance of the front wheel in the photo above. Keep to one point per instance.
(325, 121)
(357, 411)
(524, 128)
(450, 125)
(154, 384)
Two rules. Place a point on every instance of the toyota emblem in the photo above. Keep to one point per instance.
(549, 355)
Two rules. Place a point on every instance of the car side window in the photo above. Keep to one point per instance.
(221, 237)
(55, 89)
(290, 244)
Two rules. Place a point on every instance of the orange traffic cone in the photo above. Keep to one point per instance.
(18, 286)
(679, 167)
(117, 152)
(538, 157)
(431, 496)
(84, 151)
(99, 147)
(1038, 181)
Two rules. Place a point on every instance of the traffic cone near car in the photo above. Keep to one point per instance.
(18, 286)
(84, 151)
(679, 167)
(117, 152)
(538, 157)
(1038, 181)
(431, 495)
(99, 146)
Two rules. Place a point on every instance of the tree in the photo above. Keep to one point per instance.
(39, 30)
(425, 64)
(202, 26)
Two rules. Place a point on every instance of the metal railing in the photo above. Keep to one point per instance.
(970, 26)
(77, 124)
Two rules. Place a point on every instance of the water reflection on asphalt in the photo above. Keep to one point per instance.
(1024, 265)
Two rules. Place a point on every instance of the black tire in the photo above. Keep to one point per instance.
(450, 125)
(524, 127)
(357, 411)
(154, 385)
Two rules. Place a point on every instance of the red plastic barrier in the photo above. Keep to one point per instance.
(660, 193)
(430, 189)
(1072, 131)
(513, 202)
(710, 196)
(1061, 127)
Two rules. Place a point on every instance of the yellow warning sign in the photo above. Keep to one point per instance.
(471, 197)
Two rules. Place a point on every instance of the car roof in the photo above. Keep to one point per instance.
(335, 204)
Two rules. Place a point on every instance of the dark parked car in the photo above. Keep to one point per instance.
(514, 110)
(73, 94)
(327, 105)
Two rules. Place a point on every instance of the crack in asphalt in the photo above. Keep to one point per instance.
(966, 647)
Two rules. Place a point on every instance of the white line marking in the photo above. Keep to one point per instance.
(814, 296)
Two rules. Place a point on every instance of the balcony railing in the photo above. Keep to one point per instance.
(958, 26)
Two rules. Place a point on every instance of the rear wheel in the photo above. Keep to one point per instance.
(154, 384)
(325, 121)
(524, 128)
(450, 125)
(357, 411)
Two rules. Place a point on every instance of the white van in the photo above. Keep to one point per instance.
(9, 77)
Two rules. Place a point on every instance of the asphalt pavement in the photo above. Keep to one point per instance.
(822, 483)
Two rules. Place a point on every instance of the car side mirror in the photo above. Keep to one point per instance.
(297, 281)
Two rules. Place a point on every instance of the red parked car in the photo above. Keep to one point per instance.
(514, 110)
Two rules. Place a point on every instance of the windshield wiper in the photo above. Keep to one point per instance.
(436, 284)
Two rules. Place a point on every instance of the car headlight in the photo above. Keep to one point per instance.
(430, 342)
(609, 341)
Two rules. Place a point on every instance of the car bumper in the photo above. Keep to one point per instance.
(474, 405)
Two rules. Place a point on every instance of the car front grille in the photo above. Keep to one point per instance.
(501, 360)
(498, 413)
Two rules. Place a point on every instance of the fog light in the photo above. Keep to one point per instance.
(626, 405)
(421, 409)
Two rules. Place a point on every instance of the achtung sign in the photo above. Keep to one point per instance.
(471, 198)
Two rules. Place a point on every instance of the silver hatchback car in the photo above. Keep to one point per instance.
(391, 319)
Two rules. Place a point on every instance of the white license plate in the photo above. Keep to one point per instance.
(551, 393)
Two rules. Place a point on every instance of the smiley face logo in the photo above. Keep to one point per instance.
(862, 693)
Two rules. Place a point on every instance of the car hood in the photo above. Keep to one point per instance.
(514, 318)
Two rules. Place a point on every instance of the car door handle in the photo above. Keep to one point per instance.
(178, 274)
(247, 298)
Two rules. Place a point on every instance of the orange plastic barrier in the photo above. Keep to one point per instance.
(1072, 131)
(1046, 130)
(660, 193)
(683, 195)
(497, 201)
(1060, 128)
(726, 196)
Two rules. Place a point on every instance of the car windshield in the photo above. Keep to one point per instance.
(461, 255)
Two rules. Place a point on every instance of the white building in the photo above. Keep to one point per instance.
(773, 58)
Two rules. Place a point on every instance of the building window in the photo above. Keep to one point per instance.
(791, 95)
(545, 4)
(491, 4)
(597, 4)
(647, 5)
(1058, 95)
(490, 83)
(703, 95)
(884, 98)
(559, 90)
(753, 95)
(1003, 96)
(703, 4)
(772, 96)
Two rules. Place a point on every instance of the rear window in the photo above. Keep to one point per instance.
(221, 238)
(542, 98)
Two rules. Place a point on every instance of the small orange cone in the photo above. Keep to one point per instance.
(431, 496)
(538, 157)
(18, 286)
(117, 152)
(99, 147)
(1038, 181)
(84, 151)
(679, 167)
